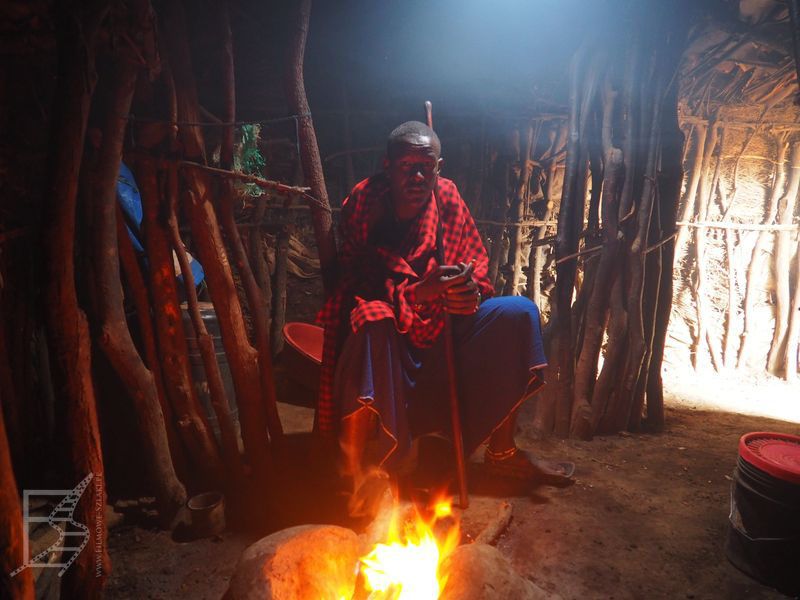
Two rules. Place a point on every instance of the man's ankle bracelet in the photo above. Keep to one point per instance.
(502, 454)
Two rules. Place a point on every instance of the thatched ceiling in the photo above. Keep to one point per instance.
(740, 56)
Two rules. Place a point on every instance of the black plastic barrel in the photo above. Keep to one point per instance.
(198, 369)
(764, 532)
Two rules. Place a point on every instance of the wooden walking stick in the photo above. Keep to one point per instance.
(455, 414)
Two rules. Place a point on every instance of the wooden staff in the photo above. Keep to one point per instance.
(455, 413)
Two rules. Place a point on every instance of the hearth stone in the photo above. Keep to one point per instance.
(308, 561)
(480, 572)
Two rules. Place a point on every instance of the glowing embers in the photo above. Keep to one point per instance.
(407, 565)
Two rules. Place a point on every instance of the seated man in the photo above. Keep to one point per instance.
(384, 375)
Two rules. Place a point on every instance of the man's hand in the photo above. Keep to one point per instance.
(455, 283)
(463, 297)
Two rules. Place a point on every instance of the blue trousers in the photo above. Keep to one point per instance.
(499, 354)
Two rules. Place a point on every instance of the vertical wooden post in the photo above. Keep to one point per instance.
(252, 291)
(190, 417)
(281, 273)
(242, 357)
(114, 337)
(67, 328)
(295, 89)
(754, 268)
(11, 533)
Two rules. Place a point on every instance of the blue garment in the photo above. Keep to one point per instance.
(499, 354)
(130, 200)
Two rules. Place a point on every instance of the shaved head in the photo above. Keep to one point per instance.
(412, 133)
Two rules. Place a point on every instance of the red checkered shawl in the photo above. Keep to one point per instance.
(377, 282)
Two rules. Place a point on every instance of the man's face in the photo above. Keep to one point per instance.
(412, 170)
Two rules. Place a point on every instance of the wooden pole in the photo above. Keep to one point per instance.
(566, 244)
(297, 101)
(67, 327)
(11, 533)
(754, 268)
(252, 291)
(137, 288)
(452, 381)
(281, 280)
(205, 343)
(782, 259)
(242, 357)
(190, 417)
(114, 337)
(584, 417)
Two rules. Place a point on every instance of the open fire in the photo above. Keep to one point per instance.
(407, 565)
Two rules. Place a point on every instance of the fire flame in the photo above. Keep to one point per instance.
(406, 566)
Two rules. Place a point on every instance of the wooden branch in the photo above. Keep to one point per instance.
(570, 211)
(497, 526)
(114, 337)
(586, 416)
(252, 291)
(575, 255)
(517, 240)
(782, 258)
(738, 124)
(242, 357)
(190, 417)
(281, 271)
(754, 271)
(137, 288)
(205, 344)
(259, 181)
(297, 101)
(728, 353)
(12, 545)
(696, 173)
(658, 245)
(739, 226)
(67, 327)
(793, 330)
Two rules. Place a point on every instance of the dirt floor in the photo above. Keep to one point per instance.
(646, 517)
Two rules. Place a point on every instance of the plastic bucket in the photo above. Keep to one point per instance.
(764, 531)
(198, 369)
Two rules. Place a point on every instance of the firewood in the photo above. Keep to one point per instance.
(497, 526)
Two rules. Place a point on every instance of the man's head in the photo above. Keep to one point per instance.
(412, 164)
